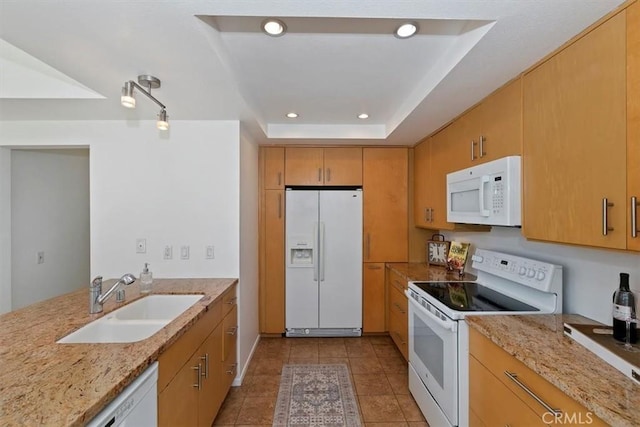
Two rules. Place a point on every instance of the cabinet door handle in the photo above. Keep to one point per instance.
(426, 214)
(205, 359)
(399, 283)
(634, 217)
(279, 178)
(399, 308)
(368, 245)
(473, 152)
(233, 368)
(514, 377)
(481, 147)
(606, 204)
(430, 214)
(319, 174)
(198, 370)
(232, 331)
(279, 205)
(232, 301)
(399, 337)
(328, 174)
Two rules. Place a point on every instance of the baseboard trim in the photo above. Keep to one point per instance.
(237, 382)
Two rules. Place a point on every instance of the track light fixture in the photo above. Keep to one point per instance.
(149, 82)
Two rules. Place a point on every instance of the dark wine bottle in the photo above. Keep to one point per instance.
(624, 307)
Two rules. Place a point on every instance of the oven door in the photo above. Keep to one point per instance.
(433, 354)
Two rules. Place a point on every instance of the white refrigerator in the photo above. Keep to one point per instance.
(323, 279)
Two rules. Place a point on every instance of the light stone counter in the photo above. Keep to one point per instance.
(421, 271)
(50, 384)
(538, 341)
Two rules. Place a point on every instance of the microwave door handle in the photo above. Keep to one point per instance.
(484, 179)
(449, 325)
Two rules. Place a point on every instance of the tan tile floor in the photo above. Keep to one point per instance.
(378, 373)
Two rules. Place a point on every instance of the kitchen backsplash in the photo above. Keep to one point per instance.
(590, 275)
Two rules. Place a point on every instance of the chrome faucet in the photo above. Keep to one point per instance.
(97, 298)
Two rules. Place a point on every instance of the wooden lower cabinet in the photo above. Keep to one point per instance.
(194, 373)
(398, 311)
(496, 399)
(373, 298)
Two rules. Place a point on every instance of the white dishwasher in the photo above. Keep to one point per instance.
(136, 406)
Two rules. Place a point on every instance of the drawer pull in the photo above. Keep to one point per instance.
(232, 301)
(198, 370)
(374, 267)
(399, 308)
(232, 331)
(205, 359)
(514, 377)
(233, 369)
(399, 283)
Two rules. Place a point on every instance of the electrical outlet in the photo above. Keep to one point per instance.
(184, 252)
(40, 257)
(209, 252)
(168, 252)
(141, 246)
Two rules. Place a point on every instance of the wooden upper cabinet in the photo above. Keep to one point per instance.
(323, 166)
(273, 178)
(304, 166)
(501, 115)
(492, 129)
(574, 141)
(633, 124)
(421, 167)
(385, 210)
(343, 166)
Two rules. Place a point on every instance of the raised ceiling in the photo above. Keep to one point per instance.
(67, 60)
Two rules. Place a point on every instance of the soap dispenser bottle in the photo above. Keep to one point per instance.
(624, 311)
(146, 279)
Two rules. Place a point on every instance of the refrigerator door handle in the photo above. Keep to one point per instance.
(321, 253)
(316, 266)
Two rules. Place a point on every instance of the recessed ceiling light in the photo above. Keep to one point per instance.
(274, 27)
(405, 31)
(363, 116)
(292, 115)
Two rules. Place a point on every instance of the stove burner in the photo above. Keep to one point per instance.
(471, 296)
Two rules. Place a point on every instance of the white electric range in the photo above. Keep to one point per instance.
(438, 334)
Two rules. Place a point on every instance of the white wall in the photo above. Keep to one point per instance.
(176, 188)
(50, 213)
(5, 230)
(248, 315)
(590, 275)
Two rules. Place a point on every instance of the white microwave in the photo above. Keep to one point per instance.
(487, 194)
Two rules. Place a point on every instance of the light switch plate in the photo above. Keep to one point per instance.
(184, 252)
(40, 257)
(168, 252)
(209, 252)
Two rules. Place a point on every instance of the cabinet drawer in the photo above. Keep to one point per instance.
(174, 357)
(493, 404)
(500, 363)
(397, 281)
(229, 300)
(398, 303)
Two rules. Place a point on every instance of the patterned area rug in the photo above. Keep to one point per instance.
(316, 395)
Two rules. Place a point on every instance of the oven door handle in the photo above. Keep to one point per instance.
(449, 325)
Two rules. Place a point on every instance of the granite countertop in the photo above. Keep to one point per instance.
(45, 383)
(421, 271)
(538, 341)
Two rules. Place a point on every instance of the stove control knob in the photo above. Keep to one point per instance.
(522, 271)
(540, 275)
(531, 272)
(477, 258)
